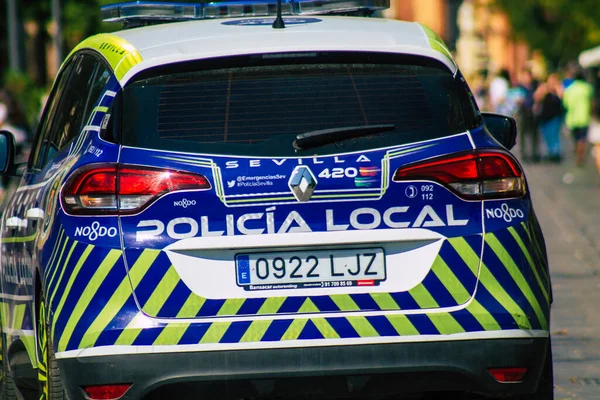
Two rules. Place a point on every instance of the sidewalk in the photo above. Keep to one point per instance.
(570, 218)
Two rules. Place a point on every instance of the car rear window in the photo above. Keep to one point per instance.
(260, 108)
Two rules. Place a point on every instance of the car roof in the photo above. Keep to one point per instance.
(134, 50)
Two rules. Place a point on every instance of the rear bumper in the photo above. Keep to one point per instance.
(341, 370)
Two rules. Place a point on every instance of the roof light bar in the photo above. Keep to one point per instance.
(141, 10)
(147, 12)
(311, 7)
(234, 9)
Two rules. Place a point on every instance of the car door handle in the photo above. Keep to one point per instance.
(36, 214)
(16, 222)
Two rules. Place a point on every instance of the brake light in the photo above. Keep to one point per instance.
(106, 392)
(122, 189)
(475, 175)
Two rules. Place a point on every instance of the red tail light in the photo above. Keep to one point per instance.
(122, 189)
(106, 392)
(475, 175)
(508, 375)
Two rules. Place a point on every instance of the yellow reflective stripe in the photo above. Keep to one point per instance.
(294, 330)
(231, 307)
(119, 53)
(20, 239)
(487, 279)
(450, 281)
(467, 254)
(345, 302)
(308, 307)
(191, 307)
(30, 348)
(325, 328)
(271, 305)
(128, 336)
(119, 298)
(162, 292)
(141, 266)
(362, 327)
(436, 42)
(422, 296)
(171, 334)
(67, 290)
(483, 316)
(215, 332)
(100, 109)
(517, 276)
(86, 297)
(402, 325)
(525, 251)
(445, 323)
(4, 315)
(256, 331)
(385, 301)
(18, 316)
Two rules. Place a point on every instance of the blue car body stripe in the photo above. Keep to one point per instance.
(276, 330)
(423, 324)
(235, 332)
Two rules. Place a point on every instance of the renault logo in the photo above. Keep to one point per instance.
(302, 183)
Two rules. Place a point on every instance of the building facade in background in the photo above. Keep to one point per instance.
(479, 35)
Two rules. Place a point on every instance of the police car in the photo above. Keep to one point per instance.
(224, 204)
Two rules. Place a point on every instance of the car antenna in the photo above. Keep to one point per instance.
(278, 23)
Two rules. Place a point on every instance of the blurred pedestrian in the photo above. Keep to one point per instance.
(570, 72)
(528, 131)
(549, 113)
(594, 131)
(577, 100)
(499, 90)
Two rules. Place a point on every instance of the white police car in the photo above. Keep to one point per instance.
(222, 204)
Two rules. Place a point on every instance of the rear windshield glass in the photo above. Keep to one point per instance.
(260, 108)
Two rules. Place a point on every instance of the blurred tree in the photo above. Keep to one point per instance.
(561, 29)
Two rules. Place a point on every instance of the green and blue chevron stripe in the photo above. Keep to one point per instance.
(161, 293)
(480, 315)
(95, 305)
(509, 261)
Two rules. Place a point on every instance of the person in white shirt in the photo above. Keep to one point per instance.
(499, 90)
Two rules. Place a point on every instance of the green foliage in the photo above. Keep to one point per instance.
(22, 88)
(561, 29)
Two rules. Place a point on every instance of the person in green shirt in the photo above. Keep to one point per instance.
(577, 100)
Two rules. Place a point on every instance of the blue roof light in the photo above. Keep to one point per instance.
(145, 12)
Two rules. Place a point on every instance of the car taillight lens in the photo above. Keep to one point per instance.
(122, 189)
(106, 392)
(475, 175)
(508, 375)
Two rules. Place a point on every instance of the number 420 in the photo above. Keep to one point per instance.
(337, 173)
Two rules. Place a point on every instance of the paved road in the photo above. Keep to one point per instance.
(570, 218)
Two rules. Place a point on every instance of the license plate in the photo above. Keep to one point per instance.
(310, 269)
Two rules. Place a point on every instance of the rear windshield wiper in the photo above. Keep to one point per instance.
(311, 139)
